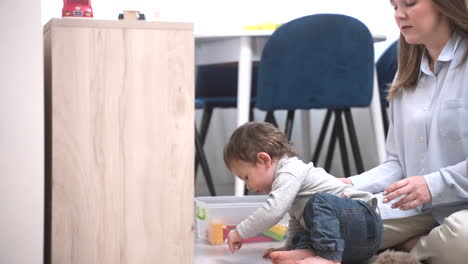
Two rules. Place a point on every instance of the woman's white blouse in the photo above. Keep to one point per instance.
(428, 136)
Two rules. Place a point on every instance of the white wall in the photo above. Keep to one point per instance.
(224, 14)
(21, 133)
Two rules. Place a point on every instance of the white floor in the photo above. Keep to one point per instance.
(219, 254)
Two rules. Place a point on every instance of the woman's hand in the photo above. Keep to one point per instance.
(266, 254)
(414, 189)
(235, 241)
(345, 181)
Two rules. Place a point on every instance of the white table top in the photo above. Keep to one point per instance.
(232, 34)
(200, 36)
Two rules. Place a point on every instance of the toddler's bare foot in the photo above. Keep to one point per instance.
(289, 257)
(316, 260)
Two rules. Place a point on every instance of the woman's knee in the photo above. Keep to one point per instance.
(447, 242)
(455, 229)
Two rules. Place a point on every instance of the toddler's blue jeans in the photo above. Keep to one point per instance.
(340, 229)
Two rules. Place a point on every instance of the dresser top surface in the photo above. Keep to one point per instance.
(123, 24)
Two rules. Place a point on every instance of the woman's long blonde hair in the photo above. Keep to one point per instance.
(409, 56)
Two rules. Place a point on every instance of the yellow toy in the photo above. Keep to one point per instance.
(217, 234)
(263, 26)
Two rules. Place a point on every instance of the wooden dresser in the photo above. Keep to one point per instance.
(119, 142)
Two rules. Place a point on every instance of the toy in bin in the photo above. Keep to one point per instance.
(77, 8)
(218, 232)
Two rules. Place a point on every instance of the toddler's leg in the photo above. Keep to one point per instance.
(341, 229)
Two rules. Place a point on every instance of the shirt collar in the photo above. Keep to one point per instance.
(447, 54)
(281, 163)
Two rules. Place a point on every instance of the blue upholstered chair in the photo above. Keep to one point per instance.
(216, 87)
(387, 66)
(323, 61)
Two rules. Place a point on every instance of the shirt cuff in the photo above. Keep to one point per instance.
(435, 186)
(241, 232)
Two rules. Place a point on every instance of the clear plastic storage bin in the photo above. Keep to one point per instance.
(228, 210)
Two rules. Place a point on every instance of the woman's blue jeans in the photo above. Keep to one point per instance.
(340, 229)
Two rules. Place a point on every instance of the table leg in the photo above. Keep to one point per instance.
(243, 93)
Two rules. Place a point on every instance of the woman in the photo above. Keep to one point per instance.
(425, 181)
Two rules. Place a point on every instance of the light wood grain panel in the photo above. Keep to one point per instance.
(165, 156)
(122, 145)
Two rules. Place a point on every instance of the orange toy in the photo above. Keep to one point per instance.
(215, 233)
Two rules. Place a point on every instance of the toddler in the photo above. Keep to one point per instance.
(330, 222)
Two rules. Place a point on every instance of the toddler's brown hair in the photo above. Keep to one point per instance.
(254, 137)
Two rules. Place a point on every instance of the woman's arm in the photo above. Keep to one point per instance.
(378, 178)
(449, 184)
(445, 186)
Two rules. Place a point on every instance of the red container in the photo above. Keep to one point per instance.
(77, 8)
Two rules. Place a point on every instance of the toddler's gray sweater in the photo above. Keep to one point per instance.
(294, 183)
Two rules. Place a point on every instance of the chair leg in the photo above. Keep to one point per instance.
(385, 120)
(270, 118)
(251, 114)
(204, 163)
(342, 143)
(354, 141)
(323, 132)
(331, 146)
(289, 125)
(206, 118)
(205, 124)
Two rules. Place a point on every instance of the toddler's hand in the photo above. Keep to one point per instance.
(235, 241)
(266, 254)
